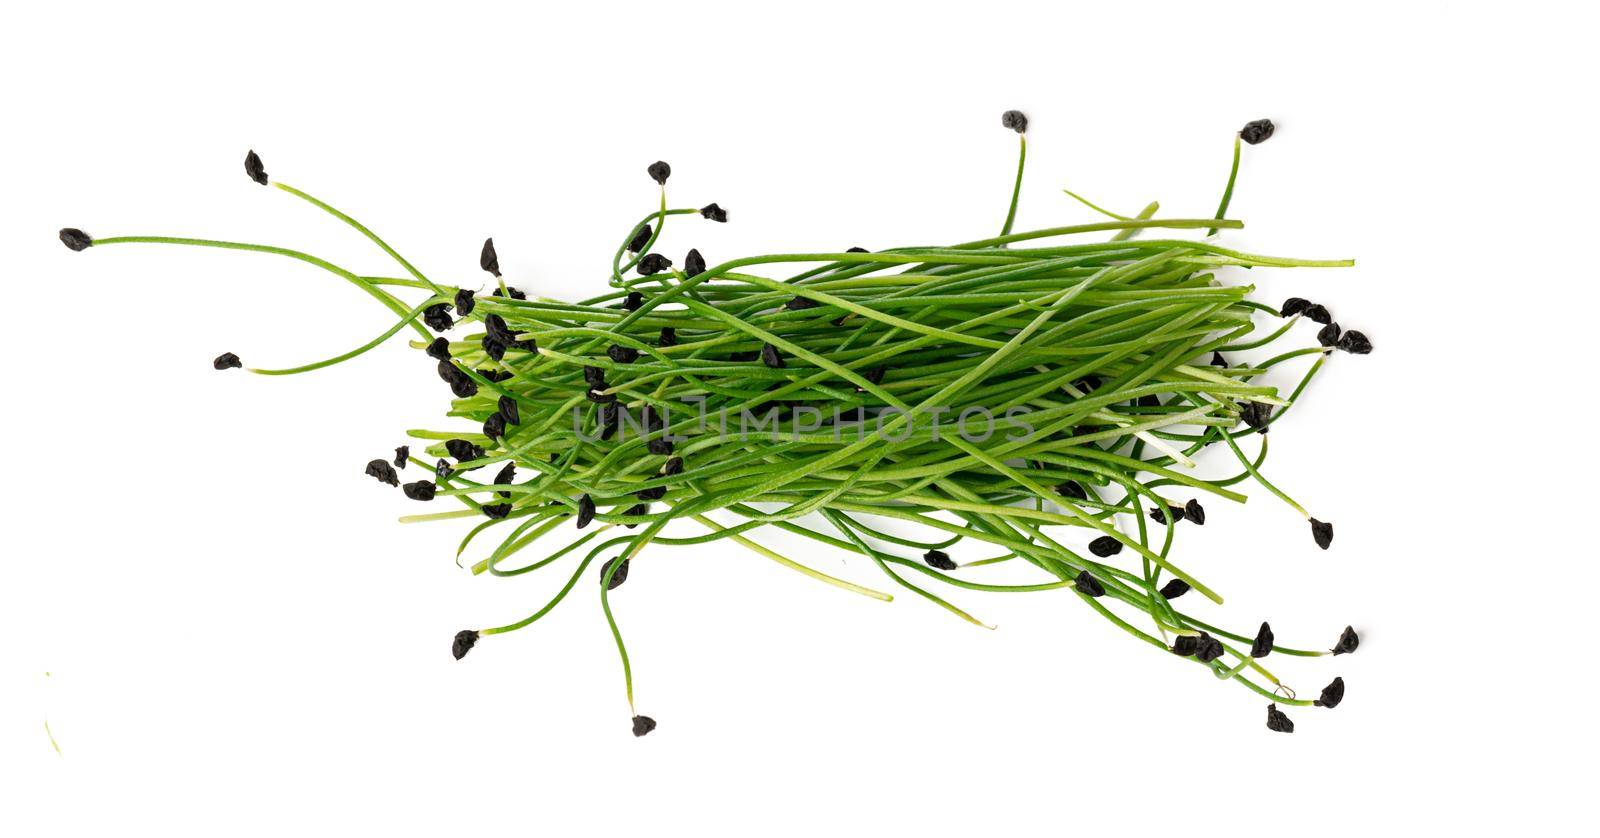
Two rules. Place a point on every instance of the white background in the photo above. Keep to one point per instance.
(240, 640)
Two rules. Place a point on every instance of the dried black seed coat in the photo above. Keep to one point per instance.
(770, 356)
(1105, 546)
(1262, 645)
(643, 725)
(1355, 343)
(496, 510)
(253, 168)
(383, 472)
(1015, 120)
(656, 493)
(1257, 132)
(439, 349)
(1278, 721)
(694, 264)
(632, 301)
(585, 511)
(672, 467)
(659, 172)
(1322, 533)
(939, 560)
(800, 303)
(1317, 313)
(617, 577)
(75, 239)
(494, 347)
(489, 260)
(652, 264)
(1072, 489)
(226, 361)
(668, 337)
(1256, 415)
(636, 510)
(1331, 694)
(463, 450)
(622, 354)
(509, 410)
(1174, 588)
(465, 302)
(1329, 335)
(1193, 511)
(1293, 306)
(442, 468)
(495, 426)
(420, 490)
(505, 477)
(714, 213)
(1160, 515)
(463, 643)
(641, 237)
(437, 316)
(858, 250)
(1207, 648)
(594, 376)
(1348, 641)
(496, 327)
(659, 446)
(1185, 645)
(401, 454)
(1088, 585)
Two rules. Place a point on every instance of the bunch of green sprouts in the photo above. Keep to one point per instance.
(1103, 348)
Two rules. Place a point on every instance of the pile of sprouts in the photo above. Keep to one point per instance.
(1032, 397)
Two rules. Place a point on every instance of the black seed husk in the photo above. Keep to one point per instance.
(513, 293)
(420, 490)
(1105, 546)
(770, 356)
(505, 477)
(693, 263)
(632, 301)
(1160, 515)
(1329, 335)
(496, 510)
(672, 466)
(622, 354)
(495, 375)
(1317, 313)
(442, 468)
(1088, 585)
(401, 455)
(495, 426)
(652, 264)
(463, 643)
(668, 337)
(1207, 648)
(496, 327)
(465, 302)
(463, 387)
(1331, 694)
(714, 212)
(800, 303)
(585, 511)
(75, 239)
(226, 361)
(939, 560)
(1262, 645)
(641, 237)
(1174, 588)
(494, 347)
(858, 250)
(509, 410)
(1151, 400)
(463, 450)
(656, 493)
(594, 376)
(1256, 415)
(659, 446)
(1217, 360)
(1322, 533)
(439, 349)
(437, 316)
(643, 725)
(1185, 645)
(1257, 132)
(1293, 306)
(636, 510)
(1193, 511)
(489, 261)
(1355, 343)
(1277, 721)
(383, 472)
(253, 168)
(1015, 120)
(659, 172)
(1072, 489)
(618, 577)
(1348, 641)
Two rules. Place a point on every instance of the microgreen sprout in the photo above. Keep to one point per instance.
(1043, 395)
